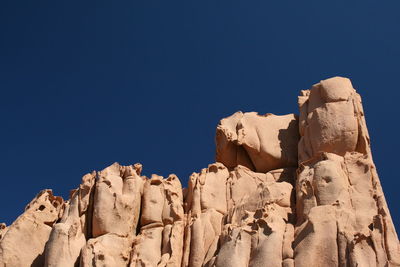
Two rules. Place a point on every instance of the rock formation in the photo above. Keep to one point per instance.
(342, 216)
(284, 191)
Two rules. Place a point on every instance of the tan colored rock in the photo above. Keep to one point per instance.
(253, 221)
(153, 201)
(316, 241)
(206, 205)
(116, 209)
(342, 216)
(3, 230)
(147, 247)
(173, 219)
(260, 214)
(106, 250)
(160, 240)
(259, 142)
(285, 191)
(24, 242)
(116, 201)
(69, 236)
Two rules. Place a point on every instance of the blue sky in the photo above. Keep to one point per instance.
(87, 83)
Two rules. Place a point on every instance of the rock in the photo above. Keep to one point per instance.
(160, 240)
(106, 250)
(259, 142)
(69, 236)
(116, 210)
(24, 242)
(284, 191)
(253, 220)
(3, 230)
(342, 215)
(117, 200)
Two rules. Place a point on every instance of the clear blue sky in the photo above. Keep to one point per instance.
(87, 83)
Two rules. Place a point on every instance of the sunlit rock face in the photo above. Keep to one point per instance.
(285, 191)
(342, 216)
(23, 242)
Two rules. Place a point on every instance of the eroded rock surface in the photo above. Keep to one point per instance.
(116, 209)
(259, 142)
(342, 216)
(69, 236)
(284, 191)
(160, 240)
(24, 241)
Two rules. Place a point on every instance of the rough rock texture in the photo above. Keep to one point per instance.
(342, 216)
(24, 241)
(69, 235)
(259, 142)
(116, 208)
(160, 240)
(284, 191)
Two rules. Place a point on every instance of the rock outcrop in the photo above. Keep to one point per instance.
(342, 216)
(23, 242)
(284, 191)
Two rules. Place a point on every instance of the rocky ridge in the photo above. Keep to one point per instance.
(284, 191)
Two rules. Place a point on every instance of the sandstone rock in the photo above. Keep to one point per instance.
(259, 142)
(116, 202)
(106, 250)
(285, 191)
(147, 247)
(116, 209)
(69, 236)
(342, 216)
(24, 242)
(257, 220)
(160, 241)
(253, 220)
(206, 205)
(3, 230)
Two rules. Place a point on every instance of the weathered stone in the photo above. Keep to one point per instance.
(69, 236)
(160, 240)
(116, 210)
(342, 216)
(285, 191)
(259, 142)
(106, 250)
(3, 230)
(24, 242)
